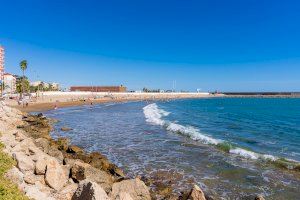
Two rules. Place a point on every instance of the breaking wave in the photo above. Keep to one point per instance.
(154, 115)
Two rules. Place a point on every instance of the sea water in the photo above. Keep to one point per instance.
(229, 146)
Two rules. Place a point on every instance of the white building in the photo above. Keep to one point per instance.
(55, 86)
(9, 83)
(35, 83)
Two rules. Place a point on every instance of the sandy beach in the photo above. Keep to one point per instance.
(48, 100)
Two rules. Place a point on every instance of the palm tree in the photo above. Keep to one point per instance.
(23, 65)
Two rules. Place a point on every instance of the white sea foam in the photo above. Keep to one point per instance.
(191, 132)
(154, 116)
(251, 155)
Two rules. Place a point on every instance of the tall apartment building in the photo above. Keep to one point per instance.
(1, 67)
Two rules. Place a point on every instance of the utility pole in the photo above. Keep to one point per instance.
(174, 85)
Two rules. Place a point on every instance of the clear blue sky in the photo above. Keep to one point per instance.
(241, 45)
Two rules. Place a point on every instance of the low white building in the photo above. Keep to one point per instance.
(36, 83)
(9, 83)
(55, 86)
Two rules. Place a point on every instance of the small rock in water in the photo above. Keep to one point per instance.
(74, 149)
(65, 129)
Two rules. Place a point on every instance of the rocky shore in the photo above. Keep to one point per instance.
(54, 169)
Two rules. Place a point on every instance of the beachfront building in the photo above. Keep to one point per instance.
(40, 85)
(36, 83)
(9, 81)
(98, 88)
(55, 86)
(1, 68)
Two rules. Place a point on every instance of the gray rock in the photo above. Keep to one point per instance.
(89, 190)
(135, 188)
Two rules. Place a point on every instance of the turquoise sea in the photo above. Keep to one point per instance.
(234, 148)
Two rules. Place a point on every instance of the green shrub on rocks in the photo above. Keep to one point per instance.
(8, 190)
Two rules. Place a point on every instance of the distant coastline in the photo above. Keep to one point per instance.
(262, 94)
(49, 100)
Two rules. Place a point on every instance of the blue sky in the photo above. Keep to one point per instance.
(233, 45)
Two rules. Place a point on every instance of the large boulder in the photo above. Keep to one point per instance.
(135, 188)
(99, 161)
(30, 178)
(81, 171)
(89, 190)
(55, 176)
(15, 176)
(56, 154)
(43, 144)
(40, 166)
(67, 192)
(24, 162)
(196, 194)
(33, 192)
(23, 146)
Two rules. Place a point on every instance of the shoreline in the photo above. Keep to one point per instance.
(50, 100)
(55, 169)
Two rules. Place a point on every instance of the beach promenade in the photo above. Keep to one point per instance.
(50, 100)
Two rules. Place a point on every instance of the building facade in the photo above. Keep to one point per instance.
(98, 88)
(9, 83)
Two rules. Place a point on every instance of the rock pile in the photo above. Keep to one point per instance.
(48, 169)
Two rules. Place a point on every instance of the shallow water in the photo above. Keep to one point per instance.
(182, 138)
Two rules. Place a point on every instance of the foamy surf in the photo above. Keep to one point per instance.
(154, 115)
